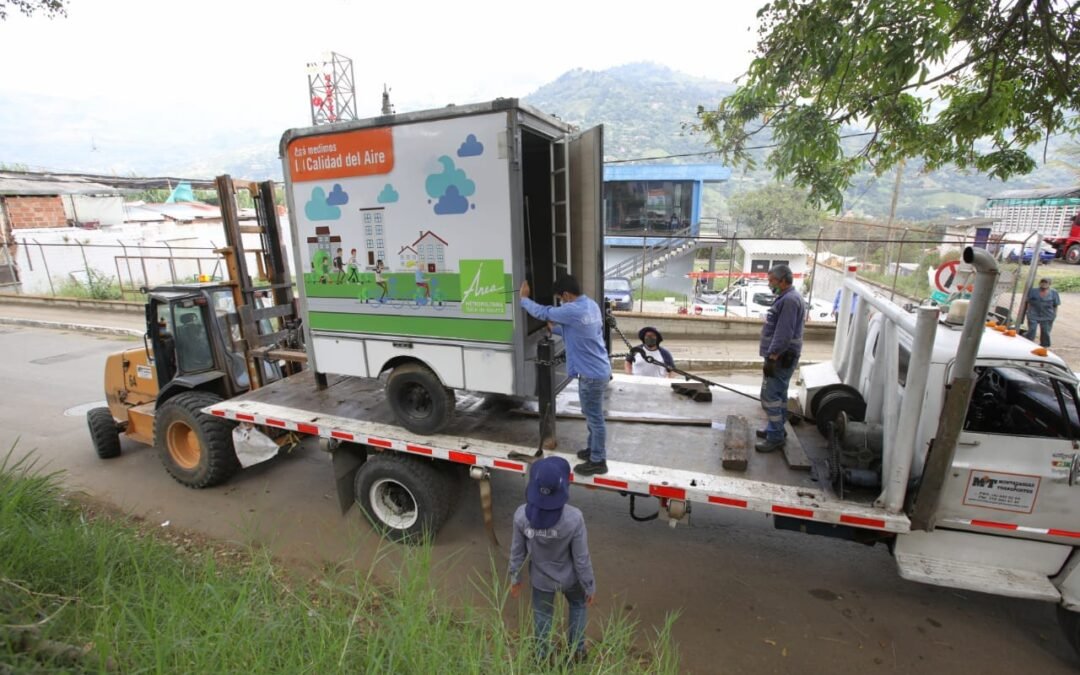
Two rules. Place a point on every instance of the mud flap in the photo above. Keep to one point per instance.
(252, 446)
(346, 460)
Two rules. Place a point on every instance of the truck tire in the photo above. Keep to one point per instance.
(419, 400)
(407, 499)
(1072, 254)
(196, 449)
(104, 433)
(1070, 623)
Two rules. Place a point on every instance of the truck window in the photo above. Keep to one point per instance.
(1022, 401)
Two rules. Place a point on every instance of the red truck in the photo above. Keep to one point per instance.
(1068, 247)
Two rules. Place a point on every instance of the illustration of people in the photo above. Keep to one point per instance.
(321, 263)
(339, 267)
(421, 282)
(354, 269)
(380, 281)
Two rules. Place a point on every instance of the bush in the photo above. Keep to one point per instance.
(98, 286)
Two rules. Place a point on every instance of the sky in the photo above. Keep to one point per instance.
(128, 74)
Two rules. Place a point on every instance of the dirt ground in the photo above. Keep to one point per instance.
(749, 599)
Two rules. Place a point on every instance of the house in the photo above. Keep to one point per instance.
(323, 241)
(431, 251)
(407, 257)
(39, 200)
(760, 255)
(963, 232)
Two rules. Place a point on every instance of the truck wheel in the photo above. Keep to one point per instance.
(1072, 254)
(407, 499)
(1070, 623)
(419, 400)
(104, 433)
(196, 449)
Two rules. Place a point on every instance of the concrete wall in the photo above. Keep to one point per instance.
(107, 210)
(704, 328)
(31, 212)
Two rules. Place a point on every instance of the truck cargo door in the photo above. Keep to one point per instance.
(585, 236)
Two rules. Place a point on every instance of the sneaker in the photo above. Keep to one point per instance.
(591, 468)
(769, 446)
(584, 454)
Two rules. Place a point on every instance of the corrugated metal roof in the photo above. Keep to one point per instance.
(1040, 193)
(37, 185)
(774, 246)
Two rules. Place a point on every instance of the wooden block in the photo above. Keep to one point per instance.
(793, 451)
(737, 443)
(696, 391)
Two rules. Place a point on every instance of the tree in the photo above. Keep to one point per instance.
(974, 83)
(50, 8)
(775, 211)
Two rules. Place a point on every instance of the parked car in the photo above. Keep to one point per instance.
(618, 290)
(751, 301)
(1012, 254)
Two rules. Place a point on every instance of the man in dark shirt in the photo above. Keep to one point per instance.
(1042, 304)
(781, 347)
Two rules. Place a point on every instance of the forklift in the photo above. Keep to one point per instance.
(206, 342)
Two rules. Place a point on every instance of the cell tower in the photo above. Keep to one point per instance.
(330, 89)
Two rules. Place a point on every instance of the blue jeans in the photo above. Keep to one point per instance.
(543, 606)
(591, 395)
(774, 398)
(1043, 327)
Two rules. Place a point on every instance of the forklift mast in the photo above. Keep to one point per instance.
(269, 322)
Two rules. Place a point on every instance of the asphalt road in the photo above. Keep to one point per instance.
(749, 599)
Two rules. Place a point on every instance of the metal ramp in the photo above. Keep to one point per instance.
(674, 246)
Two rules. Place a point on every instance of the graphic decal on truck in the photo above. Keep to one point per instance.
(1002, 491)
(451, 187)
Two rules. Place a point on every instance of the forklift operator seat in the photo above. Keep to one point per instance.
(192, 345)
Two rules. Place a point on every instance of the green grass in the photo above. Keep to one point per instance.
(80, 592)
(98, 286)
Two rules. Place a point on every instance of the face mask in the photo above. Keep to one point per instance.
(650, 341)
(775, 289)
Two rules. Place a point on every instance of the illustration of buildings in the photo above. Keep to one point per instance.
(375, 233)
(323, 241)
(407, 257)
(430, 251)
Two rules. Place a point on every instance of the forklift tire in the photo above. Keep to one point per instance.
(104, 433)
(1072, 254)
(419, 400)
(407, 499)
(196, 449)
(1070, 623)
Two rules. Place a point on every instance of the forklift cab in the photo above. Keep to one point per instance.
(194, 341)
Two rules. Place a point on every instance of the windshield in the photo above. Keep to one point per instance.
(617, 285)
(1023, 401)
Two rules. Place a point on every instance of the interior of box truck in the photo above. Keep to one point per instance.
(539, 217)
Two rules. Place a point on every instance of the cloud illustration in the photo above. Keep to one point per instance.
(471, 147)
(438, 183)
(451, 203)
(318, 209)
(388, 195)
(337, 196)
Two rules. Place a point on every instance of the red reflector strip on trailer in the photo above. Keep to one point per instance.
(274, 423)
(990, 523)
(514, 466)
(607, 482)
(792, 511)
(379, 443)
(1063, 533)
(667, 492)
(308, 429)
(858, 520)
(462, 457)
(217, 413)
(243, 417)
(418, 449)
(727, 501)
(341, 435)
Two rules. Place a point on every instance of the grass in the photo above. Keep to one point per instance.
(80, 592)
(98, 286)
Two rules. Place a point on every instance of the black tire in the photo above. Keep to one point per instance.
(1070, 624)
(1072, 254)
(407, 499)
(196, 449)
(104, 433)
(419, 400)
(830, 405)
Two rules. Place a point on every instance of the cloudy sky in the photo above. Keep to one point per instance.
(118, 73)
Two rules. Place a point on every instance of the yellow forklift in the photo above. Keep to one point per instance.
(206, 342)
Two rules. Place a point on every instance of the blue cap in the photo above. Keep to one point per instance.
(549, 484)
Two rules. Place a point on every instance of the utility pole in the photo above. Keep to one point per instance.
(387, 108)
(892, 214)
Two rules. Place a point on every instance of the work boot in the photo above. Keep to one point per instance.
(584, 454)
(769, 446)
(760, 433)
(591, 468)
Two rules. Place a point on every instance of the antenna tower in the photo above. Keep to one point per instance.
(330, 89)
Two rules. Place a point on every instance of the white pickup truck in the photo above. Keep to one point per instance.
(751, 301)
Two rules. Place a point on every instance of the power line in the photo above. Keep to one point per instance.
(716, 152)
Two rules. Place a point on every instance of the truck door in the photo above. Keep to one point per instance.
(1015, 467)
(585, 187)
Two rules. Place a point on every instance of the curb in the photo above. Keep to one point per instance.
(81, 327)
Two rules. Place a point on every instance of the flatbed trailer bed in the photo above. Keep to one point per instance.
(669, 461)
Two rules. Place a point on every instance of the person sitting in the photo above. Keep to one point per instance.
(659, 361)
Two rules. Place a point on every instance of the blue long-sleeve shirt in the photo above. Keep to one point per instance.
(558, 556)
(1043, 308)
(783, 328)
(581, 325)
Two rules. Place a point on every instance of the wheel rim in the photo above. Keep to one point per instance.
(417, 401)
(183, 445)
(393, 504)
(1073, 254)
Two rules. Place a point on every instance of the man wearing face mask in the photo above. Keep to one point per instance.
(661, 360)
(1042, 304)
(781, 347)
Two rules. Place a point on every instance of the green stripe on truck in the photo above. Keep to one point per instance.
(417, 327)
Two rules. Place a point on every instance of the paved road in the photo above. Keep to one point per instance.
(750, 599)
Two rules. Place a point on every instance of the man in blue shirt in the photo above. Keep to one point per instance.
(836, 304)
(781, 347)
(1042, 304)
(581, 324)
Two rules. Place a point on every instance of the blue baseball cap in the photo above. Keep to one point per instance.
(549, 484)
